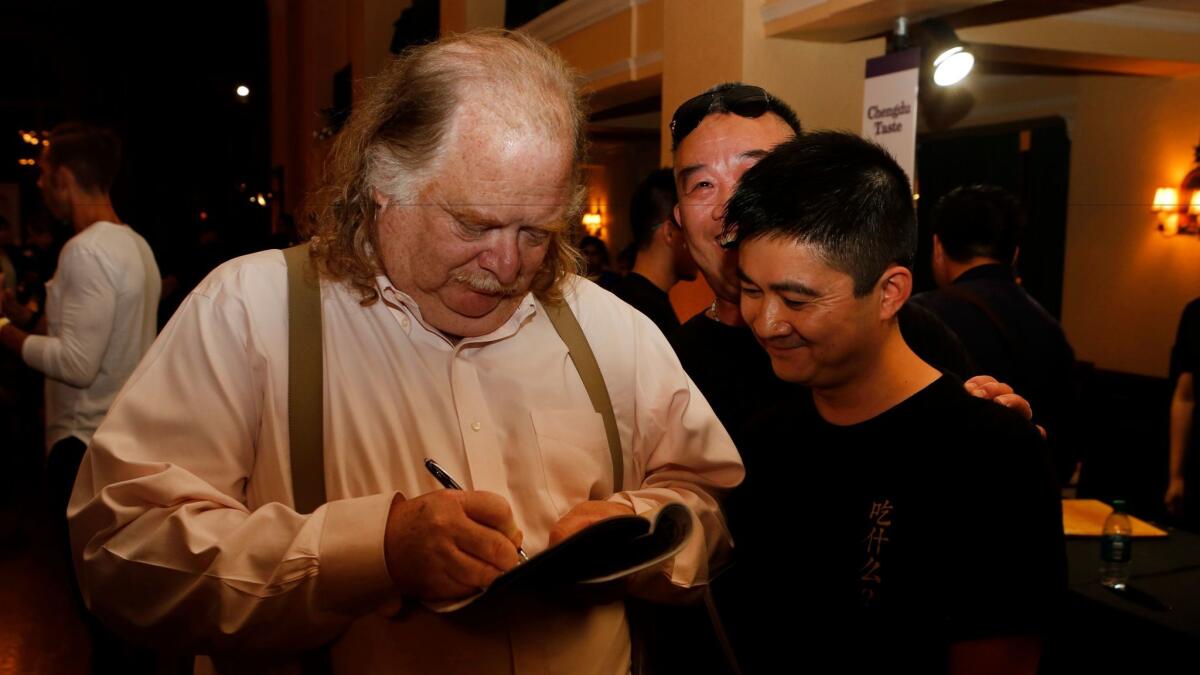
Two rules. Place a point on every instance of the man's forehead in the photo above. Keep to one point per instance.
(487, 142)
(776, 258)
(734, 131)
(494, 164)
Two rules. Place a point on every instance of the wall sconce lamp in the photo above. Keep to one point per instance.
(1178, 210)
(593, 222)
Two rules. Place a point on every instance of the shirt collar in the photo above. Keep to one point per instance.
(398, 300)
(988, 271)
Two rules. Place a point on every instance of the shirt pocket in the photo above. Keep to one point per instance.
(575, 456)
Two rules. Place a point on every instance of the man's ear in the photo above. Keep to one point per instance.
(670, 234)
(65, 179)
(895, 287)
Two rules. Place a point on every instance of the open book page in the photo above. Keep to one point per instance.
(605, 551)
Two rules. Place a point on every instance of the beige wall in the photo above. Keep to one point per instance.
(1068, 33)
(1008, 98)
(822, 81)
(1125, 285)
(702, 46)
(463, 15)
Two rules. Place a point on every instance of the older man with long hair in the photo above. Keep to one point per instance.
(441, 237)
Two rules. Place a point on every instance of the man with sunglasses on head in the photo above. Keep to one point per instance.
(715, 138)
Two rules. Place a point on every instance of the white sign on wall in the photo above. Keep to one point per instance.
(890, 105)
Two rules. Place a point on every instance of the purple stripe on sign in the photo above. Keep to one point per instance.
(894, 63)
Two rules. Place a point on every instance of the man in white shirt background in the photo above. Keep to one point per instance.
(101, 307)
(442, 237)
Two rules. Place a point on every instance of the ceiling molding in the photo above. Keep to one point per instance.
(630, 66)
(1081, 63)
(778, 10)
(574, 16)
(1169, 20)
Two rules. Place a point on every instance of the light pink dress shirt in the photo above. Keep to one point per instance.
(182, 520)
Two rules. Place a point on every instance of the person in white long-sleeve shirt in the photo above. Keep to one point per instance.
(102, 303)
(444, 238)
(101, 307)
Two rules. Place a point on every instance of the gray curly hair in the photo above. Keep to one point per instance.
(393, 141)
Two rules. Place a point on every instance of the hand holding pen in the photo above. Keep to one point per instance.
(449, 483)
(449, 544)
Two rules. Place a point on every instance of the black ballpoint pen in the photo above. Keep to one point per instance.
(449, 483)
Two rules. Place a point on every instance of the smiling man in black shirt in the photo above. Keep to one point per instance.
(923, 526)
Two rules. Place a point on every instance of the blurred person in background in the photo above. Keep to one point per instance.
(662, 258)
(99, 319)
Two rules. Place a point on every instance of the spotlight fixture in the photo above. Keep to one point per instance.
(946, 57)
(243, 91)
(945, 61)
(951, 61)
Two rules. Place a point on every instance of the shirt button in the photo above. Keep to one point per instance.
(476, 426)
(404, 322)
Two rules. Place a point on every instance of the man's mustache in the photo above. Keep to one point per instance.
(482, 282)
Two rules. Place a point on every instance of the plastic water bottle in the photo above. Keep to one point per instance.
(1116, 548)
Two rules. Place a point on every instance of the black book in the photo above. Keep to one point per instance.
(605, 551)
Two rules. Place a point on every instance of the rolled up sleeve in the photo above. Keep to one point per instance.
(166, 547)
(681, 453)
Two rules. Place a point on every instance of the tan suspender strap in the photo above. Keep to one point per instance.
(568, 329)
(306, 392)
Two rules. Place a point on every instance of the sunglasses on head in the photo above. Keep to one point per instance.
(743, 100)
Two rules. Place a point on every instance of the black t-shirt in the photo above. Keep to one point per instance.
(875, 545)
(1185, 355)
(648, 299)
(731, 369)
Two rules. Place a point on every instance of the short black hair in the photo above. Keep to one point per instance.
(843, 195)
(653, 203)
(93, 154)
(718, 105)
(979, 221)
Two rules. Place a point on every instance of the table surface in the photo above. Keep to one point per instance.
(1166, 568)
